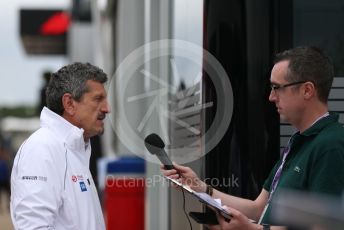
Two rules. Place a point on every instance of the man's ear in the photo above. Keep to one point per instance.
(309, 90)
(68, 104)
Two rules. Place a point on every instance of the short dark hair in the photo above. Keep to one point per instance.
(309, 63)
(71, 79)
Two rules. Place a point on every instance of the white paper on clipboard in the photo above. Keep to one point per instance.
(203, 197)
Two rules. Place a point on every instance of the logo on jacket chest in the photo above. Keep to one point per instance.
(76, 178)
(80, 180)
(82, 186)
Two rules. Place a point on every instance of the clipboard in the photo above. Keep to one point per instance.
(203, 197)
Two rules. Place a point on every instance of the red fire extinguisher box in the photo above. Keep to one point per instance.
(124, 194)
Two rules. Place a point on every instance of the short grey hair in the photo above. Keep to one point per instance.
(71, 79)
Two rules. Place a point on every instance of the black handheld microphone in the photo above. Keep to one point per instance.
(156, 146)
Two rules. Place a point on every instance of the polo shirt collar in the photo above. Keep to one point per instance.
(319, 125)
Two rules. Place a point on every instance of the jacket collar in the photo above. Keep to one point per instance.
(71, 135)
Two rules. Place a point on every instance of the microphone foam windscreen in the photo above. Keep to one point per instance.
(153, 140)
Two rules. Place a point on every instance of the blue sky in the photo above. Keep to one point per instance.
(20, 74)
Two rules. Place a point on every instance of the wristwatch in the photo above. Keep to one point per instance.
(209, 190)
(266, 226)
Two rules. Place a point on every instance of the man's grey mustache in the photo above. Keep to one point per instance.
(101, 116)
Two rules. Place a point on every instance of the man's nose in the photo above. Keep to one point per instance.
(272, 96)
(106, 107)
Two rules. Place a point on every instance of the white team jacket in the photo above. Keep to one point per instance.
(52, 187)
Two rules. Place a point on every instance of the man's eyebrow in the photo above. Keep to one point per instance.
(99, 94)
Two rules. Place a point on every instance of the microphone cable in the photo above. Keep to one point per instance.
(184, 209)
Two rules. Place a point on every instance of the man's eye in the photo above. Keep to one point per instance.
(274, 87)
